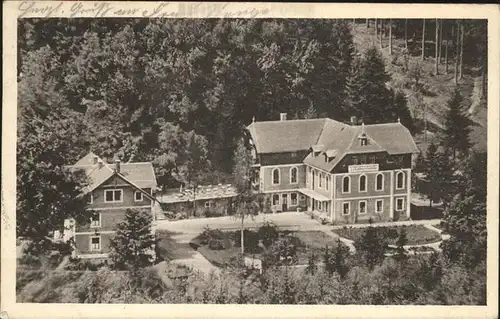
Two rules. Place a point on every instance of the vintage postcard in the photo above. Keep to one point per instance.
(184, 159)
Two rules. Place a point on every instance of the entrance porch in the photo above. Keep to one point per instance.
(317, 203)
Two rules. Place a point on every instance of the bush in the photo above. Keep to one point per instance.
(77, 264)
(251, 239)
(65, 248)
(216, 244)
(283, 251)
(210, 234)
(29, 260)
(268, 233)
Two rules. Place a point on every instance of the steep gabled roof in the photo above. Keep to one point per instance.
(395, 138)
(334, 137)
(285, 136)
(140, 175)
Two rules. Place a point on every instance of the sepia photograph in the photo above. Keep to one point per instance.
(268, 161)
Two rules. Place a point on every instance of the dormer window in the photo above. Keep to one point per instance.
(330, 155)
(316, 149)
(363, 139)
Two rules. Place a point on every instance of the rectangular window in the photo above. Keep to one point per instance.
(319, 206)
(379, 206)
(207, 204)
(293, 198)
(355, 160)
(95, 243)
(362, 207)
(307, 175)
(90, 199)
(327, 183)
(113, 195)
(400, 203)
(373, 159)
(346, 208)
(95, 221)
(363, 160)
(138, 196)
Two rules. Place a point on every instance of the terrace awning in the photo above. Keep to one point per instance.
(313, 194)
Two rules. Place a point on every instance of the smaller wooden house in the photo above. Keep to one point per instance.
(206, 201)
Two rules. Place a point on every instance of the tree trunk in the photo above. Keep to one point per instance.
(425, 122)
(456, 52)
(376, 28)
(461, 51)
(242, 235)
(440, 40)
(436, 54)
(423, 39)
(390, 36)
(406, 34)
(446, 53)
(381, 30)
(367, 23)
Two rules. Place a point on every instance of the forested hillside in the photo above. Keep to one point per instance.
(180, 91)
(462, 63)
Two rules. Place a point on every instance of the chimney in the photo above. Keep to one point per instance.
(117, 165)
(100, 163)
(354, 121)
(282, 116)
(95, 159)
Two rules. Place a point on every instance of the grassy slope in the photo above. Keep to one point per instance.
(442, 85)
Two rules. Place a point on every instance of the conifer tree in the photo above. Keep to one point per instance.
(311, 263)
(457, 127)
(328, 261)
(371, 247)
(133, 243)
(368, 94)
(340, 258)
(400, 243)
(465, 218)
(401, 110)
(439, 174)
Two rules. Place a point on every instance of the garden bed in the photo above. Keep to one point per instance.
(224, 251)
(416, 234)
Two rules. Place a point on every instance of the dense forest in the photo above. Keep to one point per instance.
(149, 90)
(179, 93)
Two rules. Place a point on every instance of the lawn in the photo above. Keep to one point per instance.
(416, 234)
(308, 241)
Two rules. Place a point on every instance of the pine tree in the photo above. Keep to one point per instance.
(368, 94)
(439, 175)
(457, 127)
(401, 110)
(340, 258)
(371, 247)
(328, 261)
(400, 243)
(311, 263)
(133, 243)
